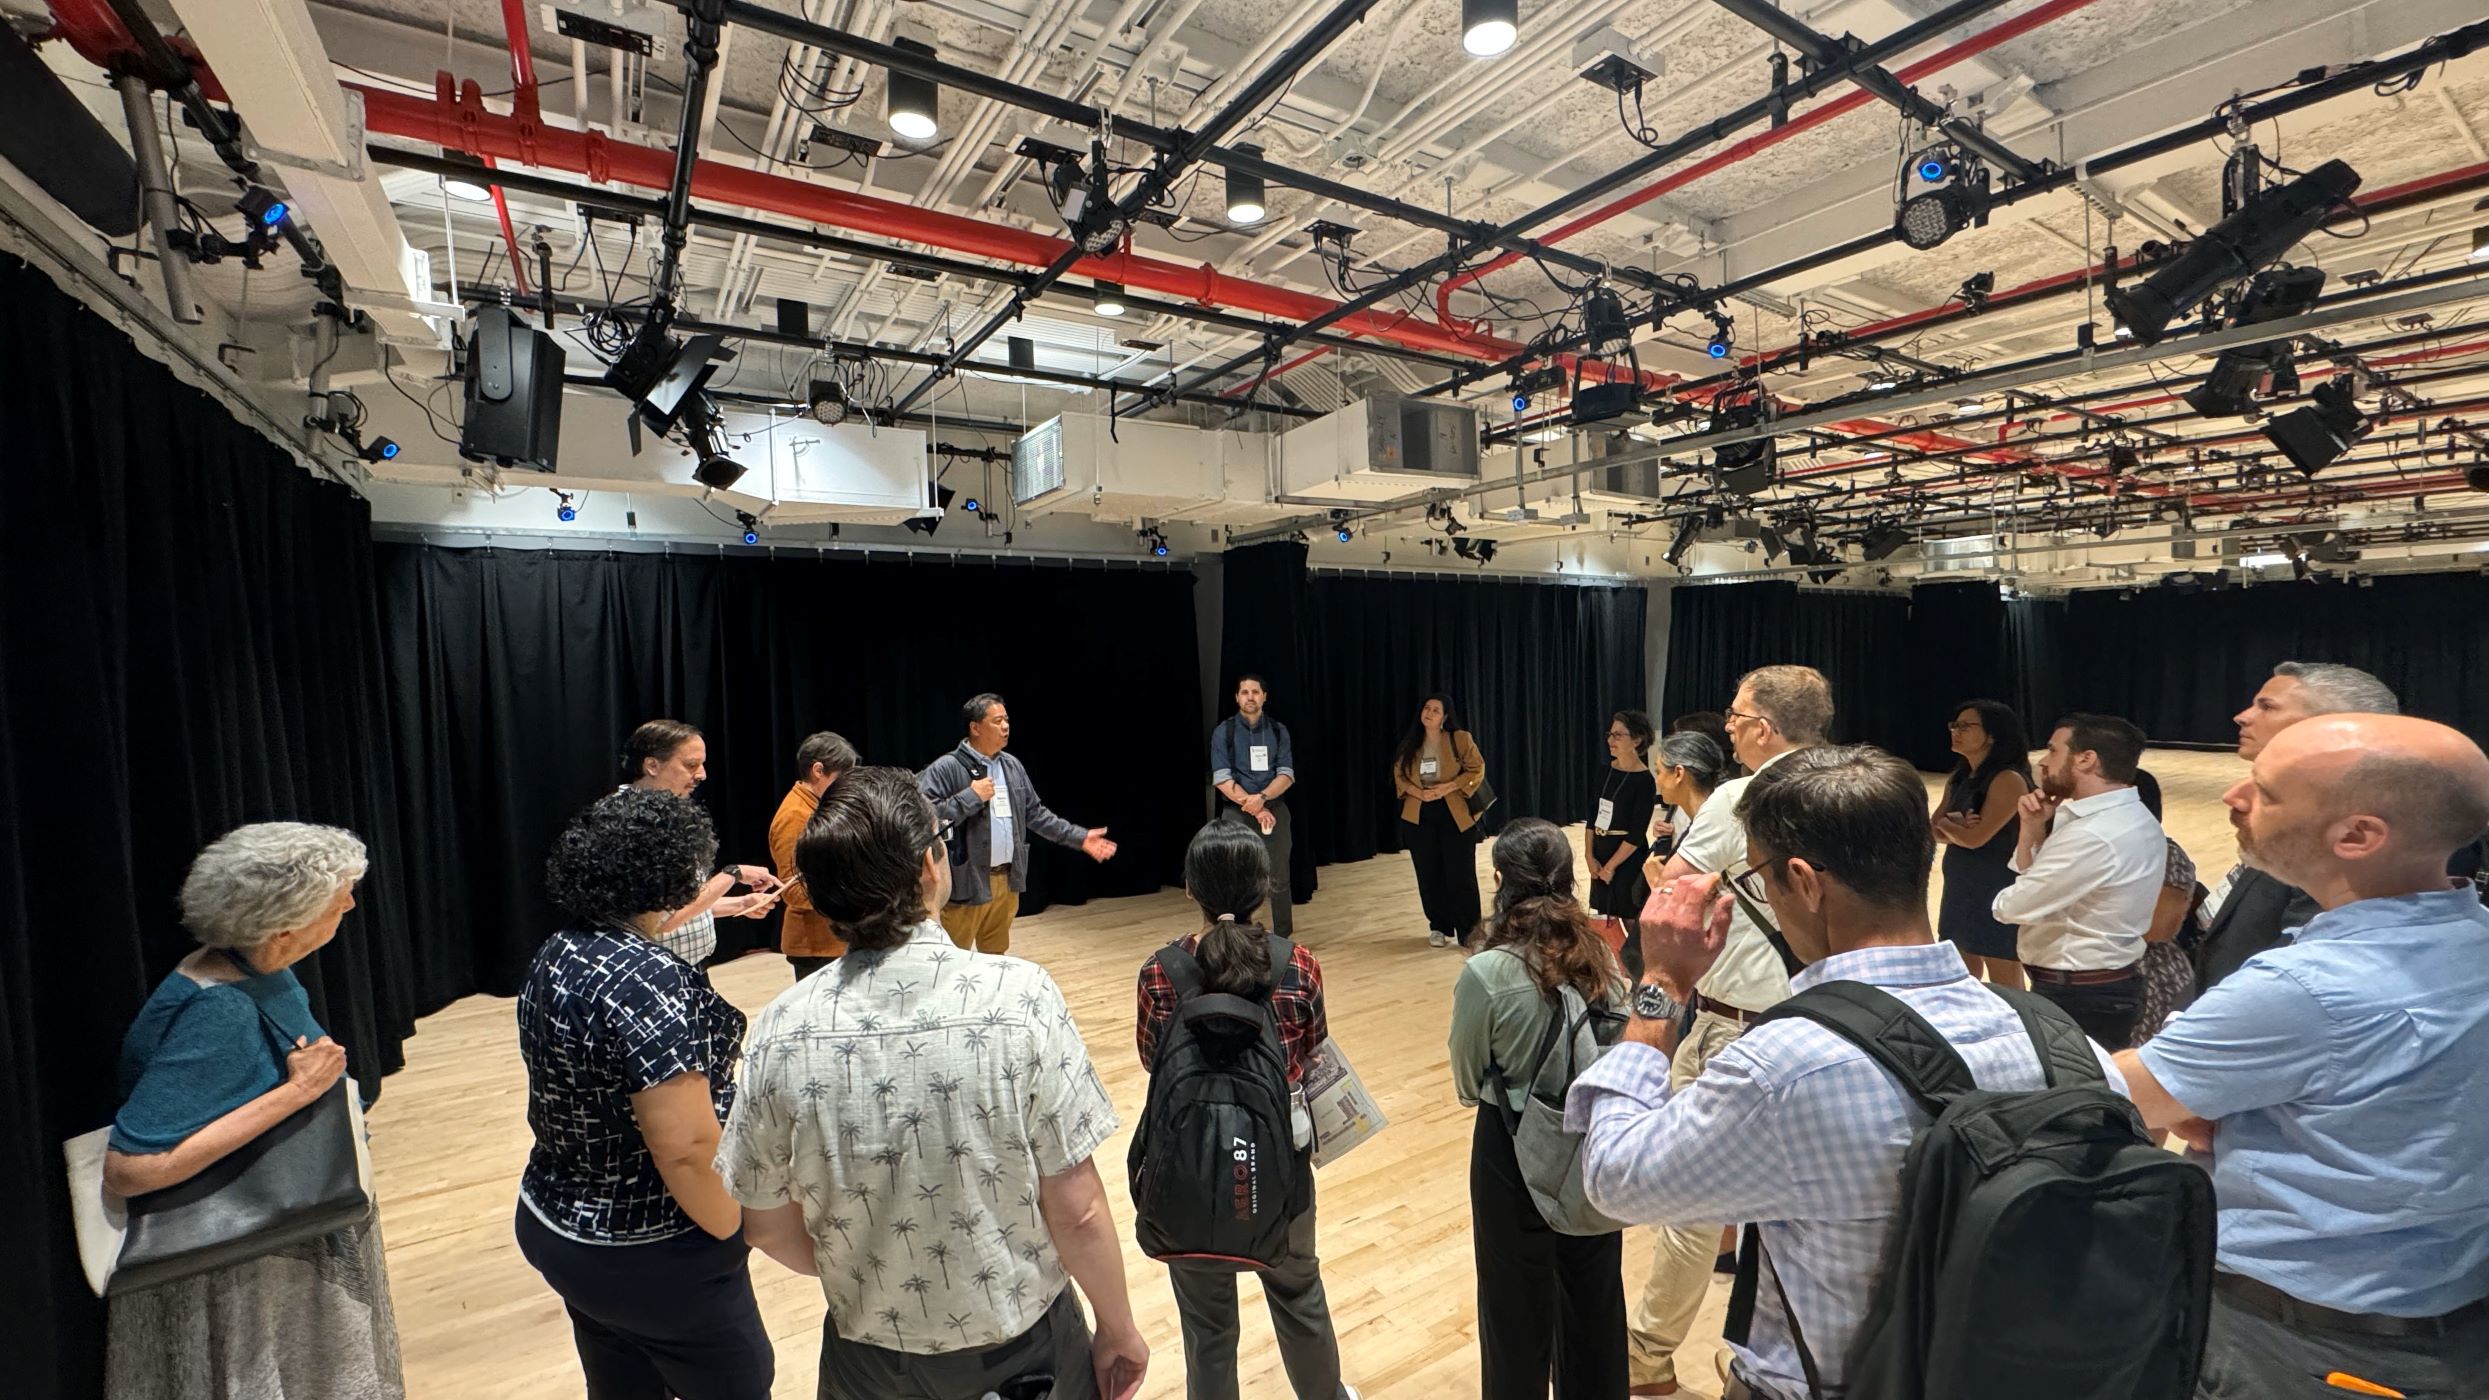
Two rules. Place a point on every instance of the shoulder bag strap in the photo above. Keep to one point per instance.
(1739, 1327)
(2064, 1050)
(1889, 1033)
(1538, 1063)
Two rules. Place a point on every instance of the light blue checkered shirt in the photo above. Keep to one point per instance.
(1793, 1127)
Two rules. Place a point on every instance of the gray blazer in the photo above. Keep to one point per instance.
(2254, 917)
(945, 783)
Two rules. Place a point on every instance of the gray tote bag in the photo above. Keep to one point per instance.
(1550, 1157)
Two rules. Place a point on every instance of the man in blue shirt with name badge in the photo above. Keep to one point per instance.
(1253, 765)
(2341, 1080)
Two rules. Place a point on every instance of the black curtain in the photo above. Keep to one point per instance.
(186, 644)
(2038, 662)
(2181, 664)
(1535, 669)
(1959, 651)
(514, 677)
(1862, 642)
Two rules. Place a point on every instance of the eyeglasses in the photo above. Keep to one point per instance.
(1618, 734)
(1748, 878)
(945, 833)
(1734, 713)
(1963, 726)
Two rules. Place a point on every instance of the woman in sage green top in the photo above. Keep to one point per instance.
(1541, 1295)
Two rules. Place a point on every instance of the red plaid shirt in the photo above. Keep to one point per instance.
(1296, 1002)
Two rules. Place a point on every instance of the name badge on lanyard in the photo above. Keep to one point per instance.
(1257, 758)
(1426, 768)
(1607, 813)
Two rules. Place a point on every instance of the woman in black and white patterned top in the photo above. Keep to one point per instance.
(630, 1070)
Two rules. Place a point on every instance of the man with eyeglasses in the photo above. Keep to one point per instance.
(1778, 711)
(1792, 1127)
(988, 796)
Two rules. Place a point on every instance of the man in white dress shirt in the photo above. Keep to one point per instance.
(1778, 710)
(2088, 872)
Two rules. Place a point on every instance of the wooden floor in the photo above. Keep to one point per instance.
(476, 1323)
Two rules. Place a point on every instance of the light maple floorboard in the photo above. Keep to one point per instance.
(450, 1136)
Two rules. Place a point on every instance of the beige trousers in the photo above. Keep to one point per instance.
(984, 927)
(1682, 1255)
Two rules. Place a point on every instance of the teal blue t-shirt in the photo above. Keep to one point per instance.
(196, 1053)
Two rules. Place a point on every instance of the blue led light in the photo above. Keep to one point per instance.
(1159, 550)
(1718, 348)
(1932, 169)
(566, 514)
(1344, 535)
(1520, 403)
(388, 451)
(274, 214)
(972, 506)
(751, 537)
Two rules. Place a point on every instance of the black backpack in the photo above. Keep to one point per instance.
(2046, 1248)
(1216, 1176)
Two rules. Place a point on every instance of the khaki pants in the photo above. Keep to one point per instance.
(984, 927)
(1682, 1254)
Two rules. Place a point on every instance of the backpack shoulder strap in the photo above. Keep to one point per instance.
(1889, 1033)
(1282, 953)
(1183, 971)
(2064, 1051)
(1502, 1079)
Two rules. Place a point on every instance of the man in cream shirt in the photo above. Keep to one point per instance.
(1778, 710)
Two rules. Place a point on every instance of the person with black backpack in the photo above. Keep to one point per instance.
(1955, 1199)
(1551, 1292)
(1222, 1170)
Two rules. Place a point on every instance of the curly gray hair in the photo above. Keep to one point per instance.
(260, 880)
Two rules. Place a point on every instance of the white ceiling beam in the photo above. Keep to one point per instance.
(276, 71)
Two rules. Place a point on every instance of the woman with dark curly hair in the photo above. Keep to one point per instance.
(630, 1070)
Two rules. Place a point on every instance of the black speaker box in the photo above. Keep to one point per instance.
(514, 392)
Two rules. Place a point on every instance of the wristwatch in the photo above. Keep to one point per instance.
(1651, 1002)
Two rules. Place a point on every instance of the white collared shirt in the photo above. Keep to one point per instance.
(2085, 901)
(1749, 975)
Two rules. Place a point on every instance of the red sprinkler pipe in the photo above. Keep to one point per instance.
(522, 96)
(455, 118)
(1754, 145)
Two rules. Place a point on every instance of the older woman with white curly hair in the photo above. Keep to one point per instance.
(225, 1050)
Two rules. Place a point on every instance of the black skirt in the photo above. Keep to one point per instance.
(1974, 877)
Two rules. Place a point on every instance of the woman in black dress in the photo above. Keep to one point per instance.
(1621, 822)
(1973, 821)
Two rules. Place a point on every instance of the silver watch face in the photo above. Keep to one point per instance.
(1651, 1003)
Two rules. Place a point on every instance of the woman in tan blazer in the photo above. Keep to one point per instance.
(1436, 771)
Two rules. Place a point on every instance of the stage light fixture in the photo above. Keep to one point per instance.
(1935, 165)
(565, 511)
(2314, 436)
(973, 506)
(1247, 196)
(1488, 27)
(1677, 549)
(751, 526)
(927, 524)
(467, 190)
(1883, 542)
(2263, 229)
(379, 449)
(1718, 346)
(2480, 244)
(1926, 220)
(913, 105)
(717, 471)
(829, 402)
(2477, 476)
(1520, 403)
(1151, 535)
(262, 207)
(1107, 299)
(1345, 534)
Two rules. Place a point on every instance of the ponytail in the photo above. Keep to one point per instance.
(1227, 872)
(1537, 917)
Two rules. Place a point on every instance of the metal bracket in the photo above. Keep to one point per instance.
(353, 169)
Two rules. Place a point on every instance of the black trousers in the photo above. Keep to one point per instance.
(1550, 1306)
(2249, 1356)
(1057, 1347)
(2108, 1012)
(1447, 869)
(1279, 913)
(654, 1321)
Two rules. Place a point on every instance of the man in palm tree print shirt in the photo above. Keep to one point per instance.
(915, 1127)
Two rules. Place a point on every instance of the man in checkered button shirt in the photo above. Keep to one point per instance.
(1792, 1126)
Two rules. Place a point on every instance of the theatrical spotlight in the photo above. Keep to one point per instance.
(1687, 529)
(2330, 425)
(379, 449)
(1247, 198)
(1953, 194)
(2477, 477)
(751, 526)
(564, 511)
(1723, 336)
(1154, 537)
(1477, 550)
(716, 470)
(2263, 229)
(829, 403)
(2239, 372)
(262, 207)
(928, 523)
(1488, 27)
(1345, 535)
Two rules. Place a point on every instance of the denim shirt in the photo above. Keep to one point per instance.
(1231, 753)
(2347, 1075)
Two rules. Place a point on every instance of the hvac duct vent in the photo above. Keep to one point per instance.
(1037, 462)
(1380, 448)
